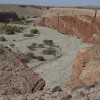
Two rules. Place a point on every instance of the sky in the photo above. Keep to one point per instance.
(54, 2)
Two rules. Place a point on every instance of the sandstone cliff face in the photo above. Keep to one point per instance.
(16, 77)
(86, 69)
(85, 27)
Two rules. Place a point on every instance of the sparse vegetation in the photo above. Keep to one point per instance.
(12, 45)
(27, 57)
(23, 22)
(48, 42)
(12, 29)
(34, 31)
(41, 45)
(30, 55)
(28, 35)
(49, 51)
(3, 39)
(33, 46)
(40, 58)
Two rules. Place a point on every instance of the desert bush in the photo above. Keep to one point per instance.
(2, 39)
(40, 58)
(28, 35)
(34, 31)
(49, 51)
(33, 46)
(27, 57)
(12, 45)
(41, 45)
(48, 42)
(12, 29)
(30, 55)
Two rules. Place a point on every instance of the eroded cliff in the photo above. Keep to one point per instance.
(15, 76)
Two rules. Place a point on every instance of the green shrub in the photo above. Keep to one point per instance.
(34, 31)
(12, 45)
(28, 35)
(2, 39)
(30, 55)
(49, 51)
(12, 29)
(41, 45)
(48, 42)
(27, 57)
(22, 22)
(33, 46)
(40, 58)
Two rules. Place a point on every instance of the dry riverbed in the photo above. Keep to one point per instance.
(56, 69)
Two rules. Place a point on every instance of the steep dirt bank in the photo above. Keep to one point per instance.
(85, 27)
(15, 76)
(86, 69)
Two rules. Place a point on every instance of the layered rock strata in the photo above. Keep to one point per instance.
(15, 76)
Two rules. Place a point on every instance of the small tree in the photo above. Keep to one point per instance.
(40, 58)
(48, 42)
(2, 39)
(49, 51)
(34, 31)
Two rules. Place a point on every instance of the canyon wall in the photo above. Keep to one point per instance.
(15, 76)
(82, 23)
(85, 27)
(86, 68)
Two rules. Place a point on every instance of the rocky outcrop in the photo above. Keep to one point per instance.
(15, 76)
(8, 16)
(85, 27)
(86, 69)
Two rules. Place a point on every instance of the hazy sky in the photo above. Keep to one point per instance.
(54, 2)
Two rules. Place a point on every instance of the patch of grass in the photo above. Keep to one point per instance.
(3, 39)
(32, 47)
(49, 51)
(30, 55)
(41, 45)
(40, 58)
(27, 57)
(12, 29)
(12, 45)
(48, 42)
(22, 22)
(34, 31)
(28, 35)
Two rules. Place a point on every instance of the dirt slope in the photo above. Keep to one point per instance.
(21, 11)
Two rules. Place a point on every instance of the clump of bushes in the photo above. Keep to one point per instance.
(30, 55)
(49, 51)
(12, 29)
(23, 22)
(40, 58)
(33, 46)
(48, 42)
(34, 31)
(27, 57)
(3, 39)
(41, 45)
(12, 45)
(28, 35)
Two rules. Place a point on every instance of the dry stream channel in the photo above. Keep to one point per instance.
(56, 69)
